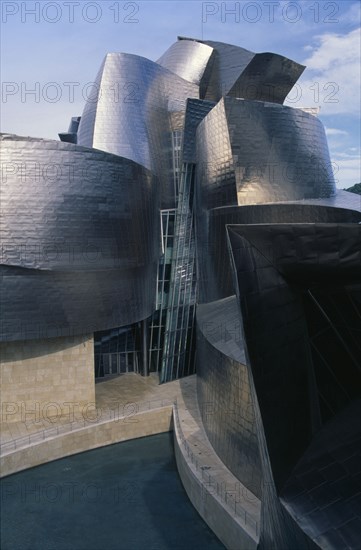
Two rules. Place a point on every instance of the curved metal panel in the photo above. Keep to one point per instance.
(324, 482)
(130, 115)
(223, 390)
(214, 268)
(197, 109)
(280, 153)
(188, 59)
(253, 152)
(273, 263)
(298, 289)
(215, 174)
(228, 64)
(80, 238)
(268, 77)
(240, 73)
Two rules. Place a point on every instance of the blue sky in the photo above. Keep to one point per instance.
(56, 47)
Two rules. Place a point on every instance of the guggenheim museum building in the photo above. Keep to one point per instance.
(188, 222)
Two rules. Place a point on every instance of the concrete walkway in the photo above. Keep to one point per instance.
(112, 394)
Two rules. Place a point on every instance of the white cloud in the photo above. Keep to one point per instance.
(332, 78)
(335, 132)
(335, 50)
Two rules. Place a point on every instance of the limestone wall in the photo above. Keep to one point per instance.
(46, 378)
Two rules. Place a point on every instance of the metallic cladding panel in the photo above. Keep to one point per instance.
(341, 200)
(252, 152)
(327, 471)
(87, 122)
(237, 72)
(68, 137)
(71, 136)
(80, 239)
(284, 388)
(196, 110)
(279, 153)
(45, 304)
(130, 115)
(214, 268)
(268, 77)
(272, 263)
(307, 253)
(228, 64)
(188, 59)
(223, 391)
(215, 174)
(74, 124)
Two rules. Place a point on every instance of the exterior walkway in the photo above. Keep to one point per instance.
(112, 394)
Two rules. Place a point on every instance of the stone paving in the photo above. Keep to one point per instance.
(111, 393)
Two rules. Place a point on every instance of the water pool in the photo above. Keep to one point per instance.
(126, 496)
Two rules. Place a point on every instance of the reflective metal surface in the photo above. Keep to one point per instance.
(197, 109)
(322, 492)
(224, 392)
(234, 71)
(71, 136)
(268, 77)
(130, 112)
(245, 193)
(228, 63)
(188, 59)
(80, 239)
(293, 281)
(253, 152)
(214, 268)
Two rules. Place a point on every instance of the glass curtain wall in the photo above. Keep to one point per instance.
(171, 341)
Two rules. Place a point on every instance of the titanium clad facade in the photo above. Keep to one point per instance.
(286, 158)
(197, 109)
(224, 391)
(80, 239)
(215, 175)
(130, 114)
(318, 482)
(188, 59)
(293, 281)
(71, 136)
(268, 77)
(228, 63)
(214, 268)
(253, 152)
(237, 72)
(191, 221)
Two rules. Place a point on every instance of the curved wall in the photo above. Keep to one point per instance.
(188, 59)
(268, 77)
(80, 241)
(251, 152)
(229, 62)
(214, 267)
(223, 391)
(215, 175)
(130, 114)
(279, 153)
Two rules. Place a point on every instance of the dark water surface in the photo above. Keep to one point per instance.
(126, 496)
